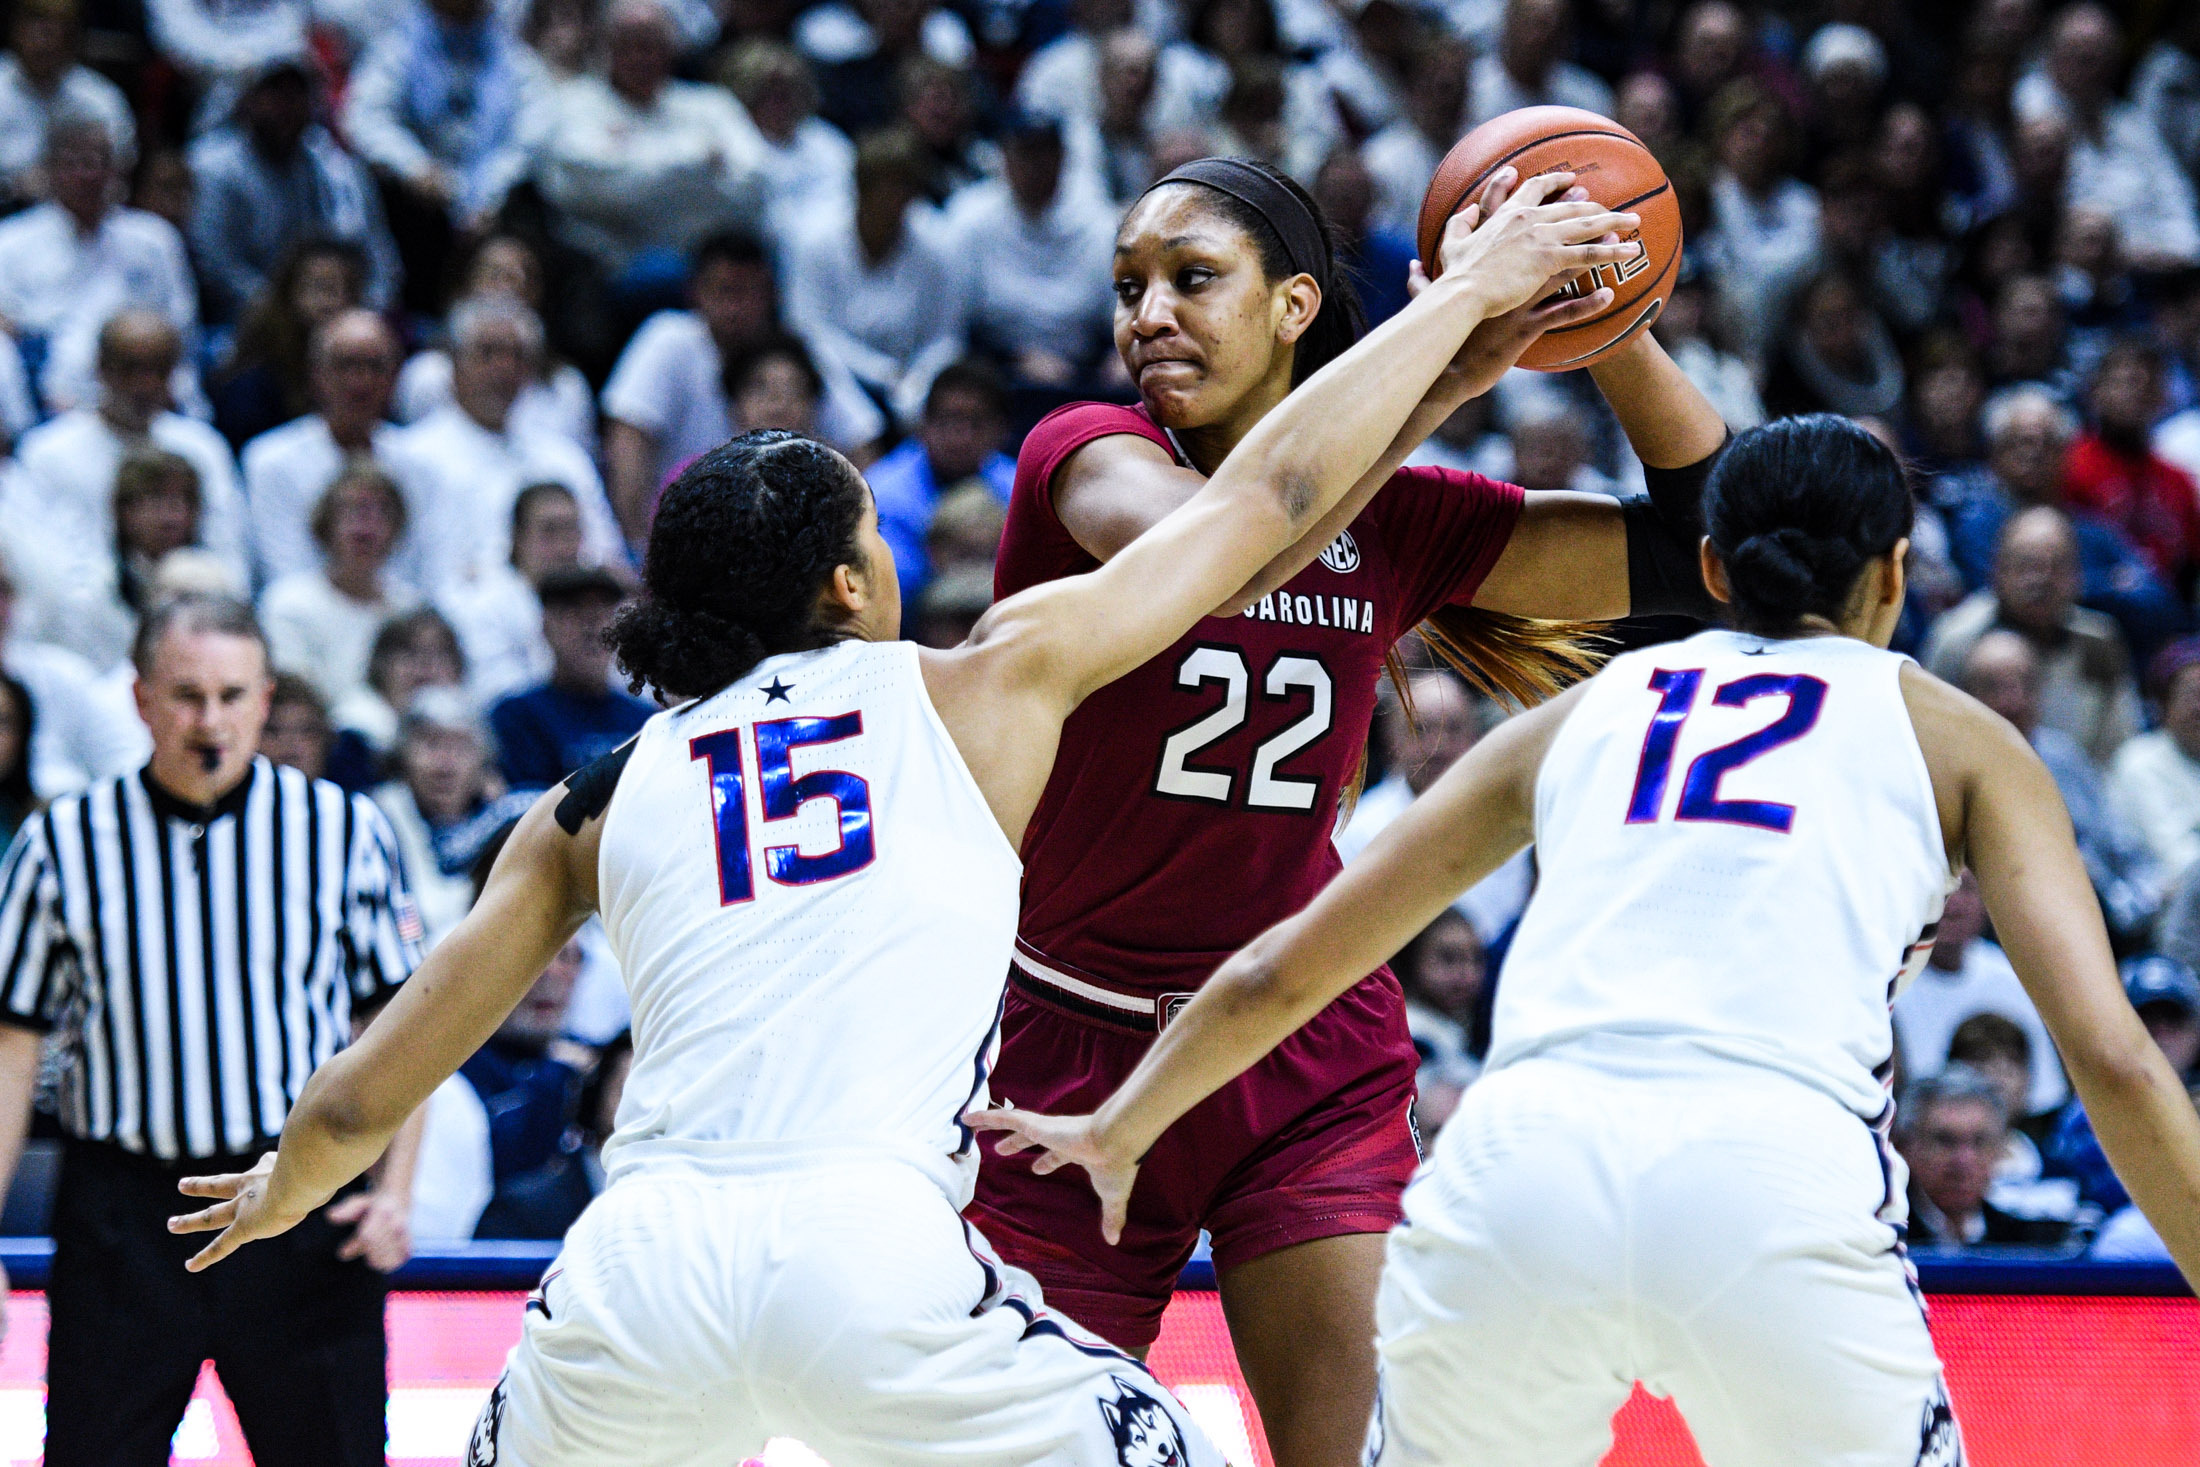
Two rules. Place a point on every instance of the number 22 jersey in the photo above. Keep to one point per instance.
(1740, 855)
(1193, 799)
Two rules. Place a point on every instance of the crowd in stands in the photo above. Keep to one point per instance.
(396, 316)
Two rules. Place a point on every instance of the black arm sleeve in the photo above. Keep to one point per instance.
(588, 790)
(1664, 529)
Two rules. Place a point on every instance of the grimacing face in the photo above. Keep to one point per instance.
(1196, 318)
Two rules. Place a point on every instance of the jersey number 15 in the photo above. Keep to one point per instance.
(783, 797)
(1700, 798)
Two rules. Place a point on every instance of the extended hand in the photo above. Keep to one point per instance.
(243, 1215)
(1525, 243)
(1497, 344)
(1066, 1141)
(384, 1235)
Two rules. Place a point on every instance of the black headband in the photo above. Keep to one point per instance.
(1304, 244)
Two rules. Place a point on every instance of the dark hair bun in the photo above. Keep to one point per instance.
(1775, 570)
(1796, 509)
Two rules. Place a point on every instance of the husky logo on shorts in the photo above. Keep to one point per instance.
(1145, 1434)
(1342, 554)
(481, 1451)
(1939, 1439)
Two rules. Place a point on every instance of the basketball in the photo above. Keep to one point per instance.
(1617, 171)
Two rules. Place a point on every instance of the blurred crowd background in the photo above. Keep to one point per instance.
(395, 316)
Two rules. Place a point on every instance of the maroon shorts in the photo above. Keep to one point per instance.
(1314, 1141)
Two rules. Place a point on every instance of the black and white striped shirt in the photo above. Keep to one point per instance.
(200, 964)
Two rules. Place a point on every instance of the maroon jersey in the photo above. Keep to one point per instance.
(1192, 800)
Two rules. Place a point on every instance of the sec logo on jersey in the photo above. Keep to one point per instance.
(1341, 554)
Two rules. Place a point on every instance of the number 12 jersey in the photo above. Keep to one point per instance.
(1741, 852)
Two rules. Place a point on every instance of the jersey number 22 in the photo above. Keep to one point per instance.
(783, 797)
(1700, 798)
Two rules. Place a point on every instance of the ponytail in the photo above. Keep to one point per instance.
(1518, 660)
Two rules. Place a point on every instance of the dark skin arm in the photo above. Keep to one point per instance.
(1567, 558)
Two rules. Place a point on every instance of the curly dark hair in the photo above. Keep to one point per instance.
(743, 542)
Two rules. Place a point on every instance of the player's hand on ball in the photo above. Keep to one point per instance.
(244, 1213)
(1066, 1141)
(1495, 346)
(1515, 252)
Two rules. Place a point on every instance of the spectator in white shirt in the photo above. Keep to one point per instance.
(1192, 76)
(876, 285)
(1402, 158)
(1764, 240)
(412, 652)
(90, 602)
(2166, 89)
(1529, 69)
(1364, 70)
(2120, 164)
(668, 401)
(809, 164)
(860, 48)
(272, 177)
(352, 365)
(557, 398)
(1685, 328)
(321, 623)
(447, 103)
(498, 615)
(69, 463)
(1443, 724)
(639, 165)
(1062, 78)
(1038, 256)
(474, 463)
(84, 727)
(69, 264)
(1968, 975)
(444, 772)
(1123, 138)
(2154, 779)
(40, 79)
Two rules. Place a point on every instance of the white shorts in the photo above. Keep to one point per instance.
(690, 1317)
(1717, 1237)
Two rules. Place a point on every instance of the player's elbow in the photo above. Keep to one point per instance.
(2121, 1062)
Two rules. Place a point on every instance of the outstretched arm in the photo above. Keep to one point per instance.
(536, 898)
(1473, 820)
(1300, 460)
(1114, 489)
(2017, 834)
(1581, 556)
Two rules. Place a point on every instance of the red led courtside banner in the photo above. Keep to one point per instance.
(2039, 1381)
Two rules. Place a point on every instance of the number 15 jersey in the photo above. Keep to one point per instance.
(1740, 853)
(812, 906)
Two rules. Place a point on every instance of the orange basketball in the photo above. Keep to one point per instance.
(1618, 172)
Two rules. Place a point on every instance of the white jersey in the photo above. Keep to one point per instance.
(813, 908)
(1741, 852)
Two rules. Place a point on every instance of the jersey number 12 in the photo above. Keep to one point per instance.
(783, 797)
(1700, 799)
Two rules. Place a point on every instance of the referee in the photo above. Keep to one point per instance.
(199, 936)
